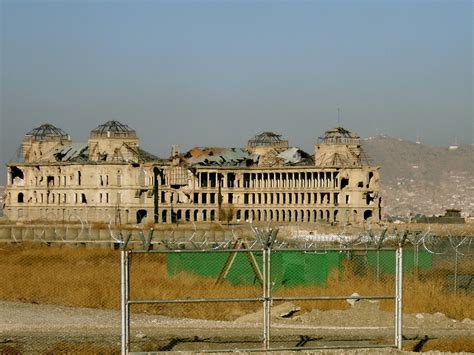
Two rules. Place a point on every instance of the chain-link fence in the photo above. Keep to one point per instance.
(63, 290)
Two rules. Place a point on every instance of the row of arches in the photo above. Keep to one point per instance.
(255, 215)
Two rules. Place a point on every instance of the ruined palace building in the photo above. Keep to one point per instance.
(111, 179)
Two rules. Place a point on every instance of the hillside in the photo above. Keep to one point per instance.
(417, 178)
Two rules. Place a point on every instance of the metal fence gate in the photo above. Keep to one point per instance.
(258, 274)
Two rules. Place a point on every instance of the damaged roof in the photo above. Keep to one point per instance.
(74, 152)
(238, 157)
(214, 156)
(296, 156)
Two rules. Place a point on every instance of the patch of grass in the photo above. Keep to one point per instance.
(91, 278)
(85, 348)
(455, 344)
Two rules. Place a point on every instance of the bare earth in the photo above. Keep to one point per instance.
(36, 328)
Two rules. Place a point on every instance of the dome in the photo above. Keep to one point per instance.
(265, 139)
(46, 132)
(113, 129)
(339, 135)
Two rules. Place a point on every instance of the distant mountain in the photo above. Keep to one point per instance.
(417, 178)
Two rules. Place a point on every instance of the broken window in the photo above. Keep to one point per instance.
(50, 180)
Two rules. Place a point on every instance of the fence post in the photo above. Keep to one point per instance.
(399, 297)
(125, 307)
(455, 271)
(266, 297)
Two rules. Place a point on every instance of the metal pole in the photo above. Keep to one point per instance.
(378, 266)
(156, 171)
(125, 308)
(269, 295)
(399, 298)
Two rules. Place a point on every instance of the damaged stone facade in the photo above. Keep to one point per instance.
(110, 179)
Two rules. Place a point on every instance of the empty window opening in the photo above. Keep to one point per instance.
(204, 198)
(369, 198)
(367, 214)
(203, 179)
(141, 214)
(212, 198)
(348, 199)
(371, 175)
(164, 216)
(21, 197)
(50, 180)
(344, 182)
(360, 184)
(83, 198)
(230, 198)
(196, 197)
(79, 177)
(16, 174)
(230, 180)
(212, 179)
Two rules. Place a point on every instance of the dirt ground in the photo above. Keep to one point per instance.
(48, 329)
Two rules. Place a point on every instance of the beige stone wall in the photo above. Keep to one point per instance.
(117, 192)
(115, 187)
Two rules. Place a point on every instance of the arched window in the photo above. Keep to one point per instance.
(21, 197)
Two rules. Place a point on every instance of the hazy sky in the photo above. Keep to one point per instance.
(198, 73)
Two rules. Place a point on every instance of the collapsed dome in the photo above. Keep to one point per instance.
(113, 129)
(266, 139)
(46, 132)
(339, 135)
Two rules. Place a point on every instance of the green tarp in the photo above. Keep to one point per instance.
(290, 268)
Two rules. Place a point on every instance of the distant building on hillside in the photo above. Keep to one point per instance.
(111, 179)
(450, 217)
